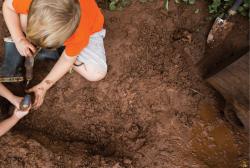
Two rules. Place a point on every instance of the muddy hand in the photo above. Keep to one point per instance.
(40, 92)
(16, 101)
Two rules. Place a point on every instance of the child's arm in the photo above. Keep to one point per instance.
(13, 23)
(4, 92)
(7, 124)
(62, 66)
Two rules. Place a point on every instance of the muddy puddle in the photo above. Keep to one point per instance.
(213, 141)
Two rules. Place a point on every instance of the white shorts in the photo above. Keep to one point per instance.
(94, 54)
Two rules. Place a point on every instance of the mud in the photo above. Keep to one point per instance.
(152, 110)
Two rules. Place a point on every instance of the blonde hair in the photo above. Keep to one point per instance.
(52, 22)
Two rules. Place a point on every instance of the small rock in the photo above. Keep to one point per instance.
(127, 161)
(117, 165)
(187, 51)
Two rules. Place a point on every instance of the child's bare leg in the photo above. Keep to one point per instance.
(91, 63)
(90, 71)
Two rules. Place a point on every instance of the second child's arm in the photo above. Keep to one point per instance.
(62, 66)
(4, 92)
(7, 124)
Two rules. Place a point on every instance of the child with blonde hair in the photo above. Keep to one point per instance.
(75, 24)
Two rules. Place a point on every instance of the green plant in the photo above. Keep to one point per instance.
(191, 2)
(165, 4)
(118, 4)
(218, 7)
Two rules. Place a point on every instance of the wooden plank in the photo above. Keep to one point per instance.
(233, 83)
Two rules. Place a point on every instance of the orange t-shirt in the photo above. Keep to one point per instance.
(91, 22)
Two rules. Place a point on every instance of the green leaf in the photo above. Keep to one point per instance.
(124, 3)
(191, 2)
(240, 9)
(166, 4)
(213, 8)
(177, 1)
(247, 1)
(246, 5)
(112, 6)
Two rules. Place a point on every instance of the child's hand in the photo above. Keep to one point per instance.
(40, 92)
(20, 114)
(16, 101)
(25, 48)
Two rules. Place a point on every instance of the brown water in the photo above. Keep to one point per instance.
(214, 143)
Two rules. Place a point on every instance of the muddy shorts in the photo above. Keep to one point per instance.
(94, 54)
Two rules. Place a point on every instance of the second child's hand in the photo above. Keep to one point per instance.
(16, 101)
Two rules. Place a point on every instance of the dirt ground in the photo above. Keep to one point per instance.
(153, 110)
